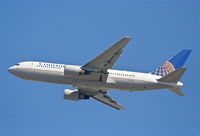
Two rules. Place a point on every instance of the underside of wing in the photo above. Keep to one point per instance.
(104, 98)
(106, 60)
(101, 96)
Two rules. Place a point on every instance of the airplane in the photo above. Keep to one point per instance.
(93, 79)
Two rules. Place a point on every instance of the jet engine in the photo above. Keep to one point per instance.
(72, 70)
(74, 95)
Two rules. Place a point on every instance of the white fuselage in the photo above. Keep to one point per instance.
(71, 75)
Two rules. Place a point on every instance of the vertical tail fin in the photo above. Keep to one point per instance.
(172, 64)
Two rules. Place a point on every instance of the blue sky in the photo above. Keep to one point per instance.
(74, 32)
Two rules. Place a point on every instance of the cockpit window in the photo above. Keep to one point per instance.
(17, 64)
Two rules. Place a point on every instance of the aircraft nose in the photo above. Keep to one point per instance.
(11, 69)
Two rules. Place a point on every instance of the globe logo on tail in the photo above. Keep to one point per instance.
(164, 69)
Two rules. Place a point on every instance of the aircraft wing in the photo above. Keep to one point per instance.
(106, 60)
(101, 96)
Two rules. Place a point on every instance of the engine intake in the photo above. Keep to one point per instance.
(74, 95)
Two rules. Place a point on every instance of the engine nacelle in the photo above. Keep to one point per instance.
(74, 95)
(71, 70)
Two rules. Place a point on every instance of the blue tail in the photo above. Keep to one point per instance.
(174, 63)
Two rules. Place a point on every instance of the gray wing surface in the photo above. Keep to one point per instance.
(104, 98)
(101, 96)
(106, 60)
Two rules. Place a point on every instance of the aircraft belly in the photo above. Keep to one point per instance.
(117, 85)
(110, 84)
(134, 85)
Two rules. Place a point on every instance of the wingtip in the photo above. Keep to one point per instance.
(122, 108)
(127, 37)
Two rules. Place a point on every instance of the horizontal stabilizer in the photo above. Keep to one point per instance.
(173, 76)
(177, 91)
